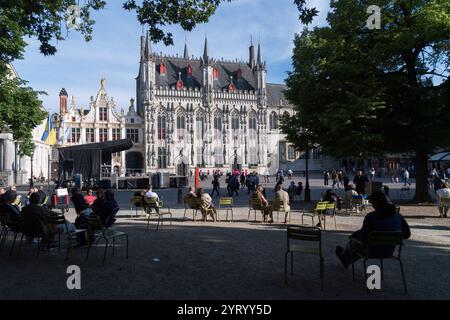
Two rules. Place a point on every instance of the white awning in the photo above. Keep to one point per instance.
(441, 156)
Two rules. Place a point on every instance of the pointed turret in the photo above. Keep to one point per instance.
(259, 58)
(142, 48)
(148, 47)
(205, 52)
(186, 52)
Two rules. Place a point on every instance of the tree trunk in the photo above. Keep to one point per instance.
(422, 192)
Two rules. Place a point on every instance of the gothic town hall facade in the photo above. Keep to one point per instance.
(188, 112)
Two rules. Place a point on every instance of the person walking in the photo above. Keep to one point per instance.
(326, 177)
(406, 177)
(216, 186)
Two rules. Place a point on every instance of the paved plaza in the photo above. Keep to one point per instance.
(230, 260)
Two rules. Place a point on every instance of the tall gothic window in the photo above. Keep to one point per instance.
(162, 158)
(217, 127)
(161, 127)
(181, 126)
(273, 121)
(252, 126)
(200, 128)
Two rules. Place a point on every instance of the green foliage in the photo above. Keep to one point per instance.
(362, 93)
(159, 13)
(20, 112)
(46, 20)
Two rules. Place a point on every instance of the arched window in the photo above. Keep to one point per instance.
(273, 121)
(181, 126)
(235, 122)
(161, 127)
(199, 128)
(217, 127)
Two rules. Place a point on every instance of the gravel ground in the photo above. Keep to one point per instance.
(223, 260)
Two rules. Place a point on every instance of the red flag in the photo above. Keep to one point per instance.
(197, 178)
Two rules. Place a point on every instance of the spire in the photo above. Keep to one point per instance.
(142, 48)
(259, 59)
(205, 52)
(186, 52)
(148, 48)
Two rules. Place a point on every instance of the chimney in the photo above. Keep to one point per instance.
(63, 102)
(251, 59)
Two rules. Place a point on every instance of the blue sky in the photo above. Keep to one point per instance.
(113, 53)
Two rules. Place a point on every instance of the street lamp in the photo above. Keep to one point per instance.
(31, 169)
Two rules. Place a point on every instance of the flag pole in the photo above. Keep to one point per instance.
(49, 154)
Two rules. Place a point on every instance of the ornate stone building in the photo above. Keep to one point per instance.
(205, 112)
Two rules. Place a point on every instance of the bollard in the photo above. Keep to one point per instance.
(180, 195)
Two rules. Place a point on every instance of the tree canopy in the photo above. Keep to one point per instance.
(364, 92)
(46, 20)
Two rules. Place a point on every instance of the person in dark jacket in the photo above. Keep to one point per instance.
(8, 206)
(360, 182)
(108, 209)
(384, 218)
(81, 206)
(34, 220)
(99, 201)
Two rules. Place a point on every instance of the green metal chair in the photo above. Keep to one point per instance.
(137, 202)
(320, 209)
(157, 205)
(205, 211)
(255, 205)
(190, 206)
(95, 224)
(226, 203)
(278, 206)
(379, 238)
(331, 211)
(305, 234)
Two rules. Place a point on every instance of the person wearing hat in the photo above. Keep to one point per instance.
(440, 193)
(384, 218)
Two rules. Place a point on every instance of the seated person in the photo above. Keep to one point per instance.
(89, 198)
(191, 199)
(34, 220)
(2, 196)
(150, 194)
(206, 202)
(98, 200)
(348, 196)
(81, 207)
(8, 207)
(266, 208)
(282, 195)
(384, 218)
(331, 196)
(108, 209)
(443, 192)
(42, 196)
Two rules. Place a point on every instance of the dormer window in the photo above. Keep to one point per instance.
(189, 71)
(239, 74)
(180, 84)
(215, 73)
(231, 86)
(162, 69)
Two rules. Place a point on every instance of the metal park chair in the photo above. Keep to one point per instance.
(320, 209)
(157, 205)
(226, 203)
(255, 205)
(95, 224)
(305, 234)
(278, 205)
(379, 239)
